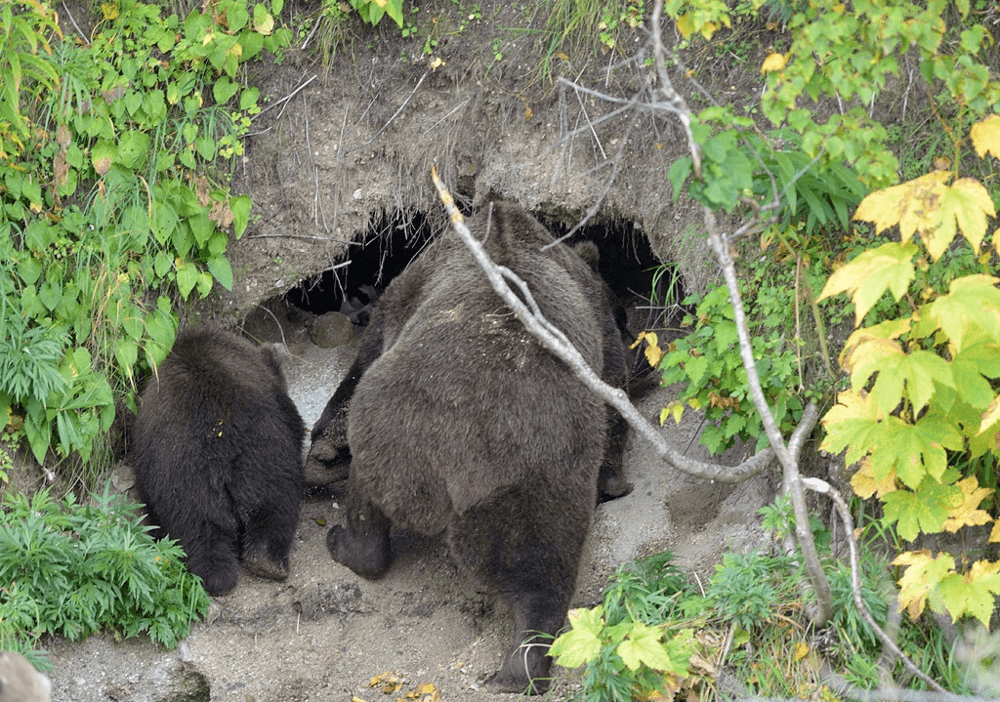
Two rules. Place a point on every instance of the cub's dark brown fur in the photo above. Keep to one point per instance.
(459, 422)
(218, 456)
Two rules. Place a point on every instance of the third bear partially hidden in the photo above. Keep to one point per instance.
(458, 422)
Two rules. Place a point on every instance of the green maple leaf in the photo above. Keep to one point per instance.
(968, 368)
(582, 643)
(915, 450)
(917, 371)
(643, 646)
(971, 308)
(973, 594)
(853, 423)
(925, 510)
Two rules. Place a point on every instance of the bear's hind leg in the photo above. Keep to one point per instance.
(526, 544)
(212, 555)
(363, 543)
(267, 540)
(538, 616)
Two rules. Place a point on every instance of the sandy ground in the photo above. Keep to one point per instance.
(325, 632)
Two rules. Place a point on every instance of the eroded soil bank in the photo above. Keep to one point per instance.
(342, 156)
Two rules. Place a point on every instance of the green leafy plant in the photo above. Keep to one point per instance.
(73, 569)
(115, 201)
(626, 644)
(709, 367)
(372, 11)
(923, 411)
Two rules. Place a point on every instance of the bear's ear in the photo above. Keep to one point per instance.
(587, 250)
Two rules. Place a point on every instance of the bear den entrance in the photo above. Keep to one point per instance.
(627, 265)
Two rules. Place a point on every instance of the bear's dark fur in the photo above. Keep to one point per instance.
(217, 456)
(459, 422)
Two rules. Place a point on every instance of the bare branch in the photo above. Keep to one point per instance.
(823, 487)
(284, 100)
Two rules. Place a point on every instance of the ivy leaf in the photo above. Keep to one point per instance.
(922, 574)
(973, 593)
(581, 643)
(923, 511)
(889, 267)
(967, 513)
(985, 136)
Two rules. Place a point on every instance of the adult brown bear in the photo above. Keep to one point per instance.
(217, 456)
(459, 422)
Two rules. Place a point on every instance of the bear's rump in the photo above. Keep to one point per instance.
(429, 447)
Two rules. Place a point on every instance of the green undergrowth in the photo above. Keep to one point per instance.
(74, 569)
(658, 633)
(116, 154)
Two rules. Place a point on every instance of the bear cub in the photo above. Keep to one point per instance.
(217, 456)
(457, 421)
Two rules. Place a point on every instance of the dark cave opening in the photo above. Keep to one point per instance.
(627, 264)
(391, 242)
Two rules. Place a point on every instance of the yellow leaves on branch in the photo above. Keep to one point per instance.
(653, 352)
(928, 206)
(933, 580)
(985, 136)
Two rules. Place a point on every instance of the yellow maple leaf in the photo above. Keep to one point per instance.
(995, 533)
(801, 651)
(924, 572)
(966, 203)
(910, 204)
(865, 483)
(653, 352)
(774, 62)
(967, 513)
(985, 136)
(982, 568)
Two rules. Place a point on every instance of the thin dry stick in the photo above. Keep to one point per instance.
(398, 112)
(282, 101)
